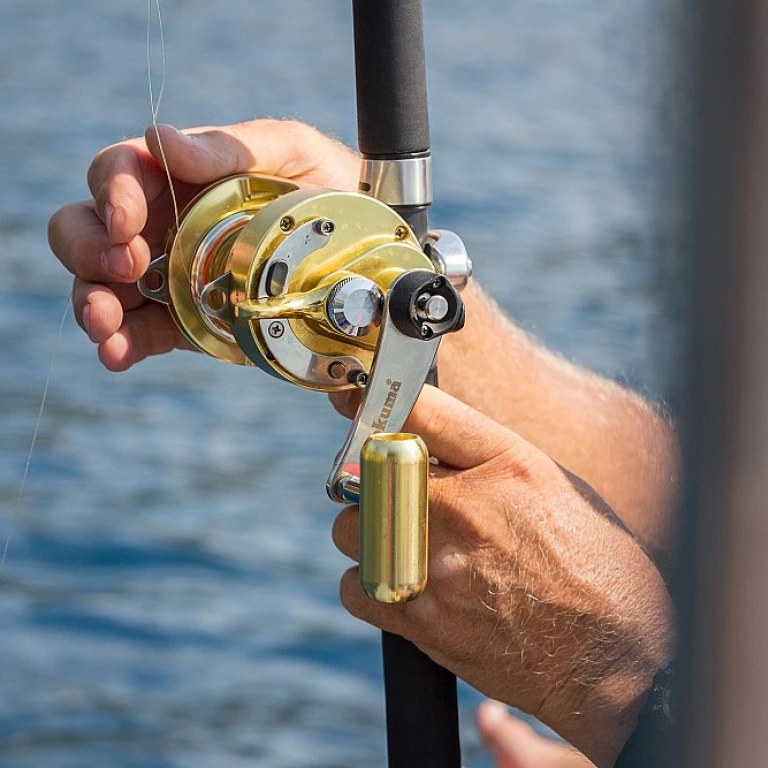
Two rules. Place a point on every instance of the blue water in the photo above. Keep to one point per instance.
(170, 597)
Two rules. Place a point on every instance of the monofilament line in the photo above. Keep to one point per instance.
(155, 106)
(20, 498)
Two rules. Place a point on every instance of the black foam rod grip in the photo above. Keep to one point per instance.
(422, 708)
(392, 115)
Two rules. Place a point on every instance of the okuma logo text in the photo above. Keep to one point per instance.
(389, 404)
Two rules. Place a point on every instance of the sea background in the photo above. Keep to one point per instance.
(170, 594)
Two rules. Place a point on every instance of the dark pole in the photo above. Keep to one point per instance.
(723, 587)
(392, 116)
(393, 137)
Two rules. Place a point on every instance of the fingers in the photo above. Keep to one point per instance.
(516, 745)
(122, 179)
(201, 155)
(455, 433)
(99, 308)
(405, 619)
(346, 402)
(504, 734)
(346, 532)
(148, 330)
(276, 147)
(80, 240)
(442, 484)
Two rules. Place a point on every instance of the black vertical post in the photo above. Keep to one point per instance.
(723, 586)
(393, 137)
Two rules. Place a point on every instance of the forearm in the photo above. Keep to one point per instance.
(596, 429)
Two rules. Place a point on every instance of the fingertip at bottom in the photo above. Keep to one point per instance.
(115, 353)
(490, 713)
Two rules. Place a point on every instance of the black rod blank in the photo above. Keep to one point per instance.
(422, 711)
(393, 123)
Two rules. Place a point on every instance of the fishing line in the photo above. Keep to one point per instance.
(20, 498)
(155, 106)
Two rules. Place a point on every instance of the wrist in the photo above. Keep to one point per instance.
(598, 711)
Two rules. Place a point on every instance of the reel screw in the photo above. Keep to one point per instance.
(276, 329)
(358, 378)
(401, 233)
(336, 369)
(286, 223)
(325, 226)
(426, 331)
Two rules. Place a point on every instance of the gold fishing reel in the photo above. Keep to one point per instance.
(290, 279)
(331, 291)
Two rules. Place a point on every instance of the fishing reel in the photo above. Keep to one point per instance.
(330, 291)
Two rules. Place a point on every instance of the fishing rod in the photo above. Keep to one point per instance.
(393, 138)
(337, 291)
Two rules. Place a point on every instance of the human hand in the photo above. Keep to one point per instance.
(516, 745)
(108, 242)
(536, 596)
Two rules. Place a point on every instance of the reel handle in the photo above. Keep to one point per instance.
(420, 307)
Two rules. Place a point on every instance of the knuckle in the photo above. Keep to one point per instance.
(94, 169)
(303, 135)
(449, 565)
(80, 247)
(444, 494)
(297, 129)
(526, 464)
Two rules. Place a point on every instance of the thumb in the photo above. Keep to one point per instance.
(199, 157)
(274, 147)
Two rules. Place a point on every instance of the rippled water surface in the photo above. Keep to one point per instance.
(170, 597)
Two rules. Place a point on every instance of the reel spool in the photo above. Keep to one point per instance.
(292, 280)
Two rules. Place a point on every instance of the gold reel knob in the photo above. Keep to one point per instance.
(394, 471)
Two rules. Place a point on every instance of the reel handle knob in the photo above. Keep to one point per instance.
(394, 470)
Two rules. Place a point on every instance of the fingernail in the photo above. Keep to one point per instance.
(117, 261)
(108, 211)
(173, 129)
(87, 318)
